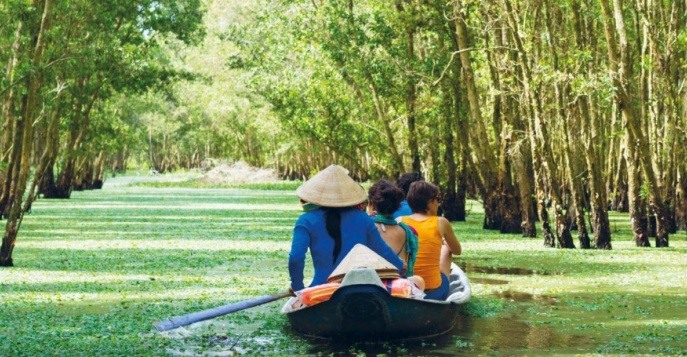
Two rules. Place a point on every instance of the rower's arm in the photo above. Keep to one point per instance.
(449, 236)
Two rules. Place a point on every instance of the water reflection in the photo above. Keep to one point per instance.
(505, 335)
(471, 268)
(470, 336)
(487, 281)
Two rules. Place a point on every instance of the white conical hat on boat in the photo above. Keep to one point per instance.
(332, 187)
(363, 257)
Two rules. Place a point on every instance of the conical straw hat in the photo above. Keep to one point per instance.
(332, 187)
(363, 257)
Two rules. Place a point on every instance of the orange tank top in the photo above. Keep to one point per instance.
(429, 250)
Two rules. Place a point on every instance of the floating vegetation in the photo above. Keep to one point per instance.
(93, 273)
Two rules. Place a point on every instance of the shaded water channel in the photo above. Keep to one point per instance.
(470, 336)
(503, 334)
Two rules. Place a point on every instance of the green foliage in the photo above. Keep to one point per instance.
(644, 190)
(484, 308)
(208, 112)
(341, 80)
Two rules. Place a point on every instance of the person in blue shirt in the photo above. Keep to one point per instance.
(403, 183)
(331, 225)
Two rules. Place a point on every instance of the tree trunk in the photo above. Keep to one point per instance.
(479, 141)
(78, 129)
(411, 89)
(637, 213)
(576, 168)
(524, 174)
(7, 111)
(46, 185)
(619, 201)
(541, 147)
(83, 179)
(29, 105)
(381, 109)
(7, 159)
(619, 59)
(99, 168)
(519, 153)
(681, 210)
(509, 202)
(47, 157)
(595, 183)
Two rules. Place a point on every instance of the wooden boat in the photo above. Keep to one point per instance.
(362, 309)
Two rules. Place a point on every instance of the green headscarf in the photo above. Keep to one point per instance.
(307, 207)
(411, 239)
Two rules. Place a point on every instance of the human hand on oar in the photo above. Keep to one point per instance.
(184, 320)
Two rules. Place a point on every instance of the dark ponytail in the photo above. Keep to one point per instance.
(332, 218)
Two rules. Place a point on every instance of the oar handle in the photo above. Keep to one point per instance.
(184, 320)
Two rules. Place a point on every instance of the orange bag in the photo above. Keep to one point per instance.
(398, 287)
(317, 294)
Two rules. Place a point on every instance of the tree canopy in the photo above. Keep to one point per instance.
(548, 111)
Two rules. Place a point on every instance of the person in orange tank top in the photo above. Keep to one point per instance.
(437, 241)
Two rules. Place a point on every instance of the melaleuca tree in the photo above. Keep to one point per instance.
(79, 52)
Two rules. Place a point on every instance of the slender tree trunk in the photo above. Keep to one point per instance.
(460, 147)
(22, 167)
(576, 168)
(47, 184)
(541, 145)
(8, 126)
(621, 71)
(7, 110)
(83, 178)
(523, 168)
(590, 127)
(509, 202)
(616, 177)
(486, 165)
(386, 122)
(78, 130)
(454, 209)
(518, 151)
(598, 199)
(620, 201)
(411, 86)
(47, 157)
(99, 168)
(637, 213)
(509, 197)
(681, 210)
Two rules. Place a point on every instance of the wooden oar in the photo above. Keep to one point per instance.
(184, 320)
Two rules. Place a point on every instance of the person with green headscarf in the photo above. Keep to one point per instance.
(384, 199)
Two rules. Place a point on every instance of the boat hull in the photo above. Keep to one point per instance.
(367, 311)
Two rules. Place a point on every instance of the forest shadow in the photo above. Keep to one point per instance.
(145, 261)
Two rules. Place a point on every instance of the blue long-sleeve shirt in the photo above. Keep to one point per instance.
(310, 232)
(404, 210)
